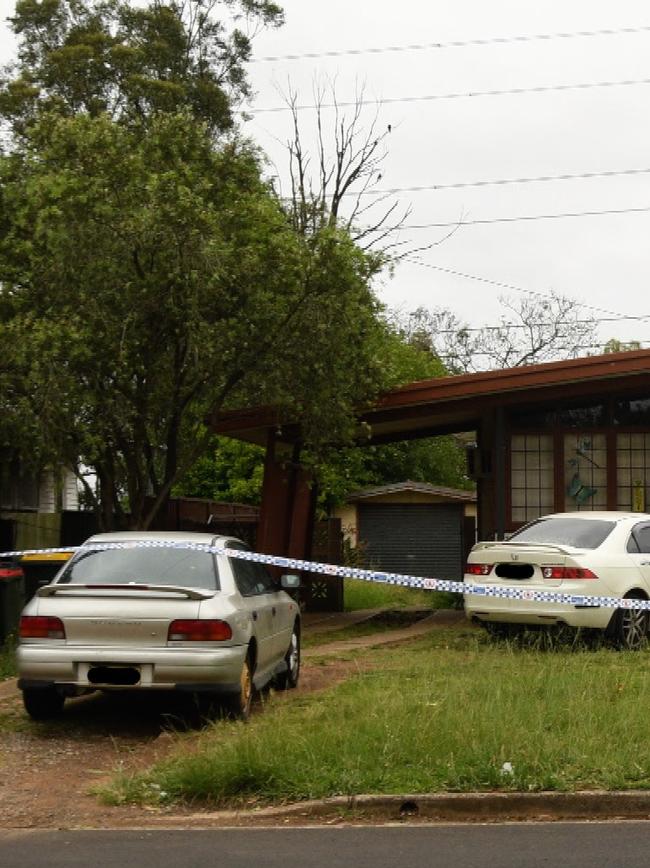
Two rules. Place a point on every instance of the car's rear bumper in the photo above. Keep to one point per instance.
(199, 669)
(486, 608)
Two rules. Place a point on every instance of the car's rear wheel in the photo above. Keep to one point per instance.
(629, 627)
(289, 678)
(239, 704)
(42, 703)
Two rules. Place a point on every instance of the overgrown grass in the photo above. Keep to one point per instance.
(358, 594)
(8, 658)
(448, 713)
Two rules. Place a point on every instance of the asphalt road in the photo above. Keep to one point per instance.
(571, 845)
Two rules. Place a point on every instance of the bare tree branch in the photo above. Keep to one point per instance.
(533, 330)
(349, 155)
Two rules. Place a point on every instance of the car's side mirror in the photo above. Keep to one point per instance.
(290, 582)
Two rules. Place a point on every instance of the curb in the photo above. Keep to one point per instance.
(438, 808)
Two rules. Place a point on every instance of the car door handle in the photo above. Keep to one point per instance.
(273, 610)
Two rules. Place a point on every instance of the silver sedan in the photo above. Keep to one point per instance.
(146, 618)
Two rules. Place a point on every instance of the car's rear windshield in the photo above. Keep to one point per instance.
(578, 533)
(142, 566)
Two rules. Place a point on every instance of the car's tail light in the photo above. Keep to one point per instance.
(41, 627)
(11, 573)
(197, 630)
(478, 569)
(567, 573)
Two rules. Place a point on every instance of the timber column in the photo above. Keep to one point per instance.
(288, 503)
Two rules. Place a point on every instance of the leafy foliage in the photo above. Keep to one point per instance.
(231, 471)
(130, 62)
(149, 277)
(156, 280)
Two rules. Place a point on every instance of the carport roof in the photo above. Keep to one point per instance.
(456, 403)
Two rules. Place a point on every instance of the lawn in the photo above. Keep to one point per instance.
(451, 712)
(359, 594)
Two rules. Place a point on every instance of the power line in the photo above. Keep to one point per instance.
(447, 356)
(525, 217)
(513, 91)
(496, 182)
(496, 328)
(510, 286)
(466, 43)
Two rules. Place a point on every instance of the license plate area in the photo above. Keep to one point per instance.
(518, 572)
(114, 675)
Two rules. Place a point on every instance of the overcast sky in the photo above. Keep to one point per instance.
(601, 261)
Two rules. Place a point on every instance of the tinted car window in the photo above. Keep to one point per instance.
(640, 539)
(251, 578)
(576, 532)
(180, 567)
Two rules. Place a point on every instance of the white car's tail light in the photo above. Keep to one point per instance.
(41, 627)
(478, 569)
(198, 630)
(567, 573)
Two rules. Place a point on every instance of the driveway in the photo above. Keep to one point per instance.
(49, 769)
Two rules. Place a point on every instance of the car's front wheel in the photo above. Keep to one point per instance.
(42, 703)
(629, 627)
(289, 678)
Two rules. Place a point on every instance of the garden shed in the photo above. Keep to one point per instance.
(410, 527)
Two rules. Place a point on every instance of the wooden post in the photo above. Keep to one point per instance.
(288, 504)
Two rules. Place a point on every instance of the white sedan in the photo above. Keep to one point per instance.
(604, 554)
(147, 618)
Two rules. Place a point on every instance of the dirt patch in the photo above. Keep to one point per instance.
(48, 771)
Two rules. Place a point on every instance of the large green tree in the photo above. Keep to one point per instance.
(149, 277)
(154, 279)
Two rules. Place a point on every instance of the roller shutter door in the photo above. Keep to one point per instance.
(417, 539)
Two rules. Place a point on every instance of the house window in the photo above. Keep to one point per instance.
(18, 491)
(585, 472)
(633, 471)
(531, 476)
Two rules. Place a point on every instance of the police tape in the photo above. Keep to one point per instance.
(508, 592)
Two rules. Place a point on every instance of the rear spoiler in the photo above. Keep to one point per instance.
(543, 547)
(190, 593)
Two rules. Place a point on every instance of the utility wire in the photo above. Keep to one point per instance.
(510, 286)
(524, 218)
(497, 182)
(513, 91)
(447, 356)
(466, 43)
(496, 328)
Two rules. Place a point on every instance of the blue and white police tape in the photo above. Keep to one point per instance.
(507, 592)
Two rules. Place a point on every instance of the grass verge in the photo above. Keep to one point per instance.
(358, 594)
(447, 713)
